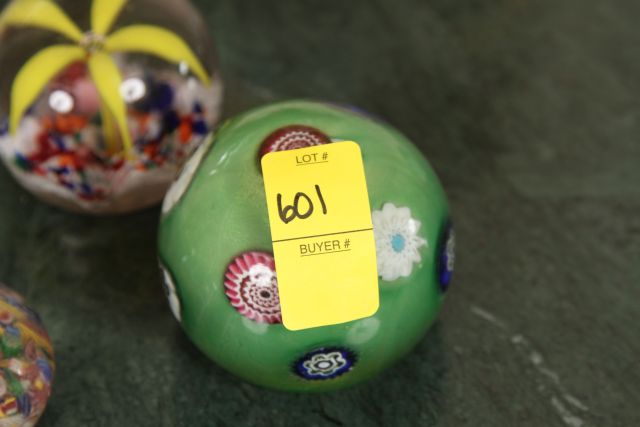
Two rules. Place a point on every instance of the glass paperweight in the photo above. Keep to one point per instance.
(102, 101)
(26, 362)
(221, 277)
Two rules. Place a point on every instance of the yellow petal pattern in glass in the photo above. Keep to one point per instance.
(42, 14)
(158, 42)
(110, 131)
(35, 74)
(104, 13)
(107, 79)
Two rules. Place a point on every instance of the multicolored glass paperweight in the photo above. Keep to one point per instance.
(26, 362)
(217, 257)
(102, 101)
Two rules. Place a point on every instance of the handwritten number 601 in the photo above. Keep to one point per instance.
(291, 212)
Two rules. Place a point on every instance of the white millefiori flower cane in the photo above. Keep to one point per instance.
(397, 241)
(171, 293)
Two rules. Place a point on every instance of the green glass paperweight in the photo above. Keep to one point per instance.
(217, 261)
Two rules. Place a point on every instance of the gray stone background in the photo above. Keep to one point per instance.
(529, 112)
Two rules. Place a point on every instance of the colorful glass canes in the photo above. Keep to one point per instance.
(216, 252)
(101, 112)
(26, 362)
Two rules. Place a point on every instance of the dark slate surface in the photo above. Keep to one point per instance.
(529, 112)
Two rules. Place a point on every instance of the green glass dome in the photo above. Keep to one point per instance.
(216, 252)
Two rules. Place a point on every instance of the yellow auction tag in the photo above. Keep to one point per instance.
(322, 235)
